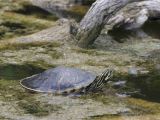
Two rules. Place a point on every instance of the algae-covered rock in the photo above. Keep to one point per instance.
(14, 23)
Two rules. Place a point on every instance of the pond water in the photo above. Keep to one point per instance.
(123, 108)
(29, 10)
(103, 106)
(17, 72)
(149, 29)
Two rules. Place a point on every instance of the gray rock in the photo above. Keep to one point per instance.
(119, 84)
(133, 71)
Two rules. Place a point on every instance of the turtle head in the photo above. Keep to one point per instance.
(104, 77)
(100, 80)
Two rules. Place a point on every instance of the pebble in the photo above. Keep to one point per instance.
(133, 71)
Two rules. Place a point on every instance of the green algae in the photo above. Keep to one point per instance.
(32, 51)
(15, 24)
(105, 98)
(101, 97)
(137, 107)
(16, 72)
(41, 64)
(37, 108)
(99, 117)
(19, 46)
(4, 118)
(25, 7)
(95, 63)
(30, 10)
(11, 91)
(140, 107)
(10, 74)
(92, 52)
(77, 11)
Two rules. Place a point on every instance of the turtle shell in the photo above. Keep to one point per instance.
(58, 80)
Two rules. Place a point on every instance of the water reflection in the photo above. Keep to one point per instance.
(149, 29)
(16, 72)
(144, 86)
(152, 28)
(35, 11)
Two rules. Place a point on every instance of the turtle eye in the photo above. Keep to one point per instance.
(109, 74)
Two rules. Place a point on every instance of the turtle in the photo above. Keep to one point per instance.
(65, 80)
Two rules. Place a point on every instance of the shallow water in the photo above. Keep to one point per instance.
(93, 107)
(17, 103)
(149, 29)
(16, 19)
(17, 72)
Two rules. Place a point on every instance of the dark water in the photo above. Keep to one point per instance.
(149, 85)
(36, 11)
(83, 2)
(144, 86)
(12, 28)
(17, 72)
(150, 28)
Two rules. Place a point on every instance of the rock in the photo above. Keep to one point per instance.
(144, 71)
(119, 84)
(137, 71)
(122, 95)
(133, 71)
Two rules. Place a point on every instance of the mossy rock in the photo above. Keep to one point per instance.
(37, 108)
(16, 18)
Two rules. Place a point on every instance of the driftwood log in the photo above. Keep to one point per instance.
(131, 14)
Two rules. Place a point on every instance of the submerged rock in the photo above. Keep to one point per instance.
(133, 71)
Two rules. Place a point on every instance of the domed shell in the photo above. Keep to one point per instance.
(58, 80)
